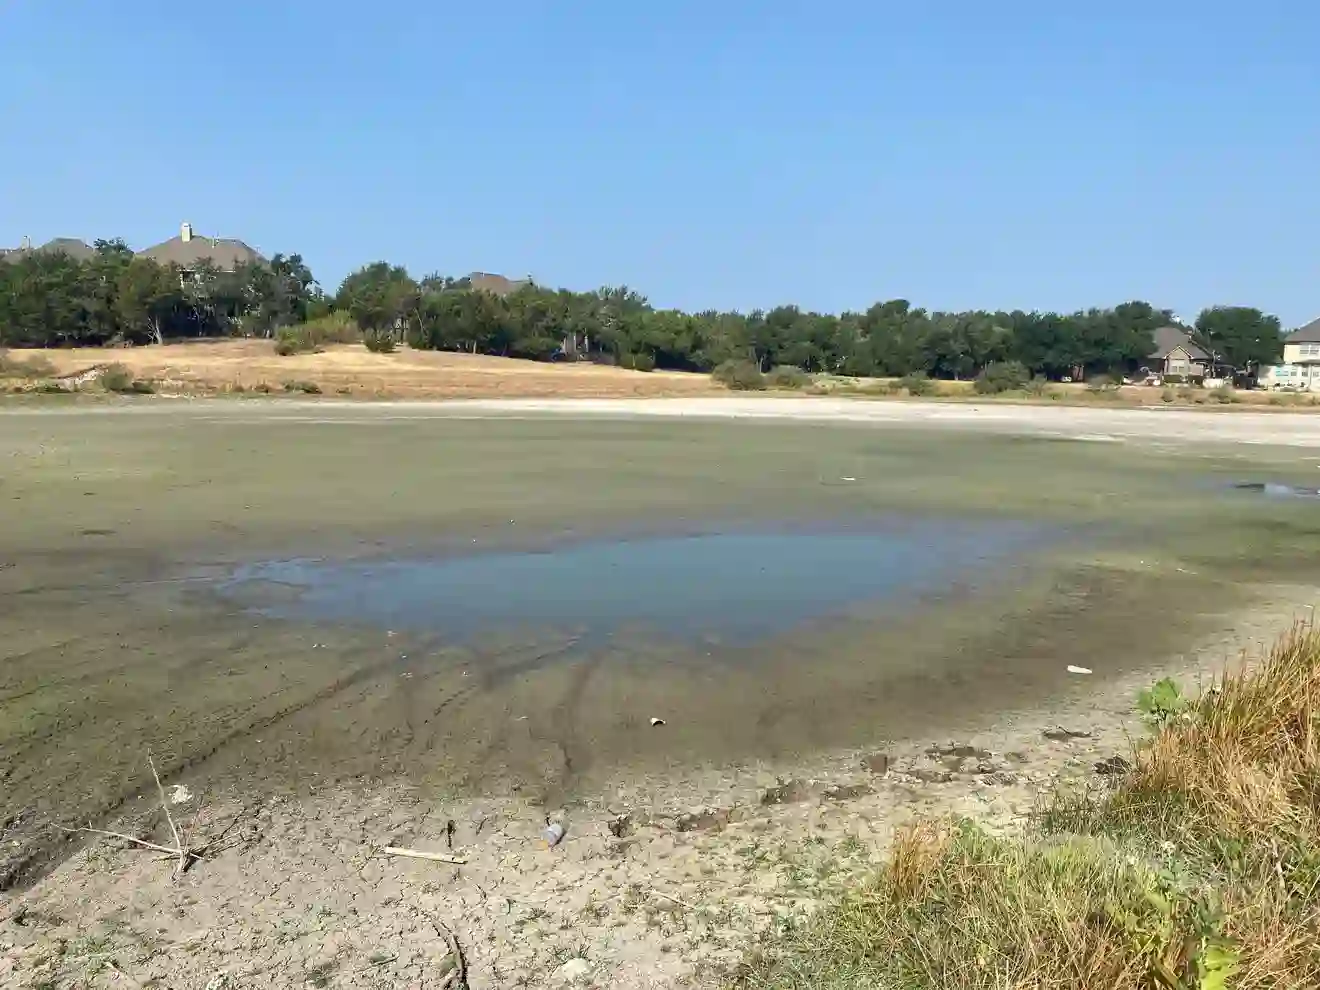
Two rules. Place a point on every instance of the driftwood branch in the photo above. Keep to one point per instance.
(120, 835)
(457, 975)
(670, 897)
(419, 854)
(184, 854)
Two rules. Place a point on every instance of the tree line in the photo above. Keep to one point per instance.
(53, 300)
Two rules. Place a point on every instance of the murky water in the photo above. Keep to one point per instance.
(1273, 489)
(733, 585)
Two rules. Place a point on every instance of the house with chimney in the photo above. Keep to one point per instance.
(74, 248)
(192, 252)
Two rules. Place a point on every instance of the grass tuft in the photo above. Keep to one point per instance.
(1198, 870)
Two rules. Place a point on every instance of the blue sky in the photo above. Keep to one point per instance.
(962, 154)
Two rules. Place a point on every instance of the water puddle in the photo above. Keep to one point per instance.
(1272, 489)
(738, 585)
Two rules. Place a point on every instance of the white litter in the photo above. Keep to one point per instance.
(847, 479)
(180, 795)
(657, 721)
(1078, 670)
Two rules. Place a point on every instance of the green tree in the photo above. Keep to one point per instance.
(147, 300)
(1240, 338)
(378, 296)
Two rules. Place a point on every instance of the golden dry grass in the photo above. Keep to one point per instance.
(209, 367)
(1200, 870)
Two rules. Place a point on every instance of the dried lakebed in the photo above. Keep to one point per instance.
(109, 645)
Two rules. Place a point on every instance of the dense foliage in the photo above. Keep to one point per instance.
(54, 300)
(49, 299)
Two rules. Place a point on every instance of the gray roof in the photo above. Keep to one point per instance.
(1169, 338)
(497, 284)
(1309, 334)
(225, 253)
(74, 248)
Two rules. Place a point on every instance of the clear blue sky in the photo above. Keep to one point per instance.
(721, 153)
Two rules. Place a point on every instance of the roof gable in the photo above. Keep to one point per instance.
(497, 284)
(1309, 334)
(226, 253)
(72, 246)
(1169, 339)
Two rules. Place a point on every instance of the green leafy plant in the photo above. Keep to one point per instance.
(1162, 701)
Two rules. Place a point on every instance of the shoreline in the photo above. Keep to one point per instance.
(1086, 423)
(660, 879)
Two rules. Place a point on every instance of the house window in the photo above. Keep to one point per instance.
(1311, 350)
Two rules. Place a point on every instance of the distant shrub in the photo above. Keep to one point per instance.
(380, 341)
(640, 361)
(1039, 387)
(787, 376)
(1186, 394)
(309, 388)
(263, 387)
(336, 328)
(917, 385)
(289, 341)
(880, 388)
(741, 376)
(115, 378)
(1101, 383)
(1001, 376)
(53, 388)
(1167, 395)
(1225, 394)
(33, 367)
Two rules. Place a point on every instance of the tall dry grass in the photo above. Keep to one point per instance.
(1199, 870)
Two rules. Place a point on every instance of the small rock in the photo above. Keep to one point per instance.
(573, 970)
(847, 792)
(1113, 767)
(789, 792)
(930, 776)
(958, 751)
(1060, 734)
(620, 826)
(877, 763)
(703, 819)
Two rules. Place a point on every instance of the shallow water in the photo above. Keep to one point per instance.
(732, 585)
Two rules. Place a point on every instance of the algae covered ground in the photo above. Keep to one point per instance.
(116, 526)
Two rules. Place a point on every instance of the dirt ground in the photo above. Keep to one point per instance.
(351, 370)
(665, 881)
(308, 745)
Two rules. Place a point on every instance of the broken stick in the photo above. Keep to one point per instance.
(420, 854)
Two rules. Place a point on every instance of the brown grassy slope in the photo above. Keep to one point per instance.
(219, 366)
